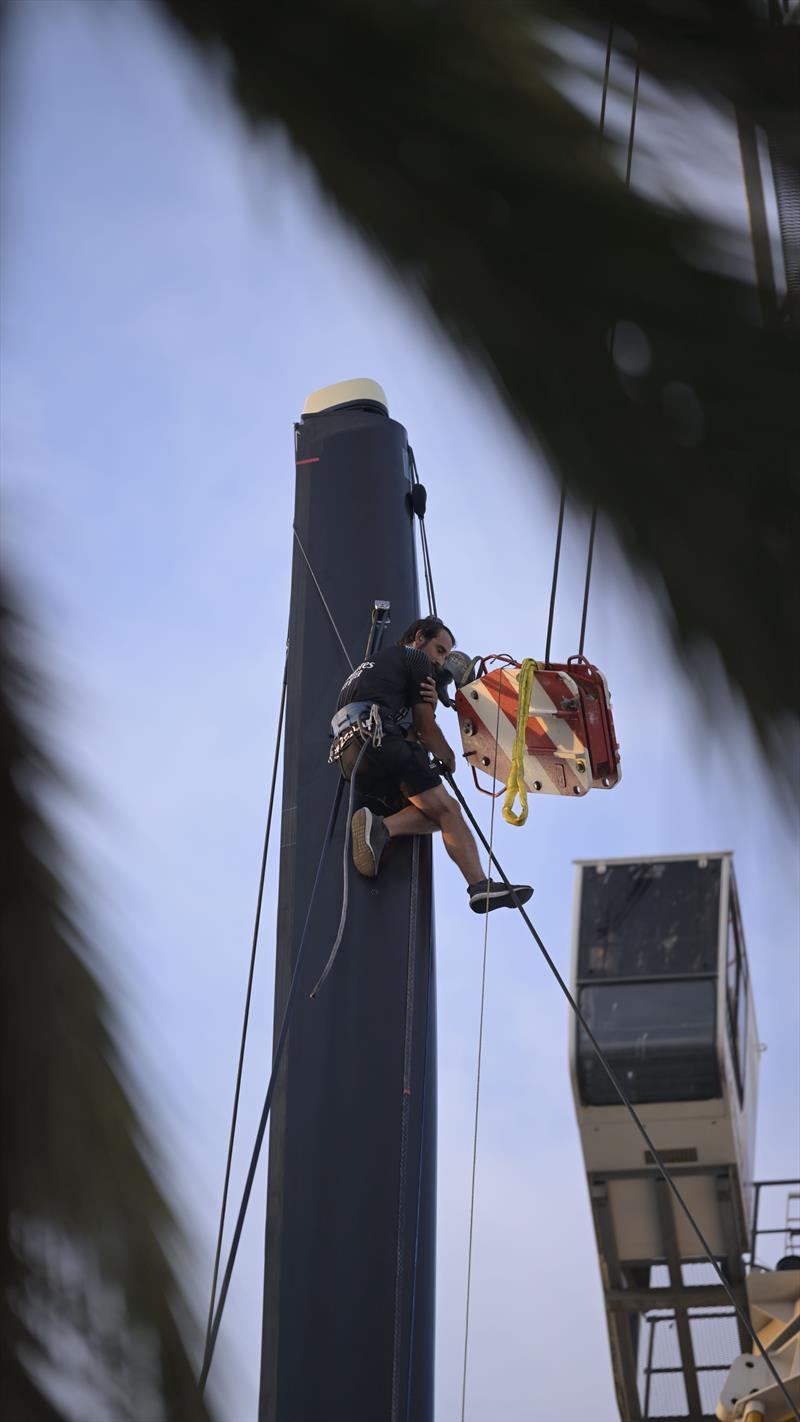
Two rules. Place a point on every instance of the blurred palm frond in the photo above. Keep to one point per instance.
(90, 1303)
(441, 130)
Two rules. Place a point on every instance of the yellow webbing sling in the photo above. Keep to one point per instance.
(515, 784)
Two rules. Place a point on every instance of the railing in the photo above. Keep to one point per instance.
(659, 1360)
(650, 1371)
(790, 1229)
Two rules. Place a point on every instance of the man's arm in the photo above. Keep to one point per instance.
(430, 736)
(428, 692)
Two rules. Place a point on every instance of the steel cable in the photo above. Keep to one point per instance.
(248, 997)
(262, 1125)
(478, 1080)
(421, 1167)
(402, 1184)
(426, 557)
(628, 169)
(331, 617)
(554, 584)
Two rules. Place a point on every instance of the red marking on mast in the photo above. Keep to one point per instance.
(315, 460)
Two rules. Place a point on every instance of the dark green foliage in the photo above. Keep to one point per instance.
(439, 131)
(86, 1279)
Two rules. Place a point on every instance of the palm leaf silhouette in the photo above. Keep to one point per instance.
(440, 131)
(89, 1293)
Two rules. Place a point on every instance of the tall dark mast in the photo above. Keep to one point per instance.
(350, 1241)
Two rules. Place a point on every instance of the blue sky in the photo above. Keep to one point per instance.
(171, 292)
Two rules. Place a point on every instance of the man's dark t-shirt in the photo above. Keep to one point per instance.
(392, 680)
(399, 767)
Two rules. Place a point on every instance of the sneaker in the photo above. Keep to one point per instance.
(488, 894)
(370, 838)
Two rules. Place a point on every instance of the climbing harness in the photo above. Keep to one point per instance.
(358, 720)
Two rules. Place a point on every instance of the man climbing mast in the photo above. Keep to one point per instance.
(386, 715)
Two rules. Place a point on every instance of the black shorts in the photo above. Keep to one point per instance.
(394, 771)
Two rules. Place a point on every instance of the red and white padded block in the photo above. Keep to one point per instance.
(557, 757)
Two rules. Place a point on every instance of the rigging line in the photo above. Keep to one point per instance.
(554, 584)
(478, 1080)
(637, 1121)
(426, 572)
(324, 602)
(276, 1061)
(628, 167)
(414, 477)
(587, 584)
(405, 1111)
(593, 525)
(248, 996)
(606, 71)
(431, 593)
(428, 991)
(634, 107)
(426, 558)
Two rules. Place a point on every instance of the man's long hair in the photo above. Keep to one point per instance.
(429, 626)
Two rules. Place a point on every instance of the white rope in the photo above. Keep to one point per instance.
(324, 601)
(478, 1080)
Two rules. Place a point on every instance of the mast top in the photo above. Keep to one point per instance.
(346, 392)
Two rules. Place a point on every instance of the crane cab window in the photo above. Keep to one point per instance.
(647, 973)
(658, 1038)
(736, 992)
(649, 920)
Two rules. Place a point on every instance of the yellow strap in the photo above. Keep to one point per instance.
(516, 785)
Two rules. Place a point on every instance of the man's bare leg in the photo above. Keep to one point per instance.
(409, 821)
(440, 808)
(429, 811)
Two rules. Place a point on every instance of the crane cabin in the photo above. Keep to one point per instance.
(659, 971)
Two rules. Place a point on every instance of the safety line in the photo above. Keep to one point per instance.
(405, 1111)
(421, 1167)
(554, 584)
(324, 601)
(276, 1061)
(637, 1121)
(248, 996)
(478, 1080)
